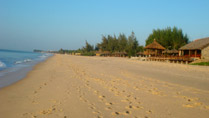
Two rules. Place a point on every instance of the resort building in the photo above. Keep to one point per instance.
(198, 48)
(154, 49)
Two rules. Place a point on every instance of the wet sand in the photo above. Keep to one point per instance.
(106, 87)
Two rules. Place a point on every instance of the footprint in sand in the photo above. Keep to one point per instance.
(27, 115)
(83, 100)
(108, 108)
(149, 111)
(109, 103)
(125, 100)
(115, 113)
(133, 107)
(127, 112)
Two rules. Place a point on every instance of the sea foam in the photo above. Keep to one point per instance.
(23, 61)
(2, 65)
(44, 56)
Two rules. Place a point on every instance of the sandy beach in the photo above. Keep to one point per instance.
(67, 86)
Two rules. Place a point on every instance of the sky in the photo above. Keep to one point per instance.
(54, 24)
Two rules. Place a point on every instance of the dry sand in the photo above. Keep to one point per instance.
(96, 87)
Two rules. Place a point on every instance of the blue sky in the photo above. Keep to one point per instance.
(55, 24)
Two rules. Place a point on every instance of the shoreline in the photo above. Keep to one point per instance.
(73, 86)
(10, 78)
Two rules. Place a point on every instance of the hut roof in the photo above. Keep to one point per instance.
(196, 44)
(171, 51)
(140, 53)
(120, 53)
(105, 52)
(154, 45)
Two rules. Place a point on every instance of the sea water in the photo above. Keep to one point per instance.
(14, 65)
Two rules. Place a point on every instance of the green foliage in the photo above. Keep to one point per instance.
(170, 38)
(88, 50)
(140, 49)
(201, 63)
(120, 44)
(88, 53)
(61, 51)
(132, 45)
(88, 47)
(104, 45)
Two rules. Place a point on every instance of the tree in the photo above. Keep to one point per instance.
(104, 44)
(97, 47)
(122, 42)
(88, 47)
(170, 38)
(132, 45)
(61, 51)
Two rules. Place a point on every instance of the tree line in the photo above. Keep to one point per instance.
(170, 38)
(121, 43)
(111, 44)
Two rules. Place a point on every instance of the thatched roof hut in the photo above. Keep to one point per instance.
(154, 45)
(120, 54)
(104, 53)
(197, 48)
(154, 49)
(140, 54)
(172, 52)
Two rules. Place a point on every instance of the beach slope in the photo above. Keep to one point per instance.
(97, 87)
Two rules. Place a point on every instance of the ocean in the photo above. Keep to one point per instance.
(14, 65)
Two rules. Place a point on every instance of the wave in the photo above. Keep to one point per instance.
(23, 61)
(2, 65)
(44, 56)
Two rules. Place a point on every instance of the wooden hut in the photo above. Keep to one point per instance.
(78, 54)
(198, 48)
(172, 52)
(105, 53)
(120, 54)
(154, 49)
(140, 54)
(98, 53)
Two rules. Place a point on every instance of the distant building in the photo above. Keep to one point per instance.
(98, 53)
(78, 54)
(154, 49)
(198, 48)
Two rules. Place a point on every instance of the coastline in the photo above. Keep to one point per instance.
(15, 74)
(74, 86)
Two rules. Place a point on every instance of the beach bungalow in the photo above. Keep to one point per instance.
(154, 49)
(78, 54)
(105, 54)
(140, 54)
(98, 53)
(120, 54)
(198, 48)
(172, 52)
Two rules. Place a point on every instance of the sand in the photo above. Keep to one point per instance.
(106, 87)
